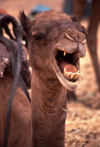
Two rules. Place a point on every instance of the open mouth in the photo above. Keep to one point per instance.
(69, 65)
(66, 67)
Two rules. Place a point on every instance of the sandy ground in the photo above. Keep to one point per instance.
(83, 121)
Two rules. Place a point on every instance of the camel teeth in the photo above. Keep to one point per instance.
(71, 75)
(76, 75)
(64, 53)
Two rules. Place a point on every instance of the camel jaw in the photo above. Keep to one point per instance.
(66, 68)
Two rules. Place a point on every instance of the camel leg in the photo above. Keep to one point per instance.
(78, 8)
(92, 39)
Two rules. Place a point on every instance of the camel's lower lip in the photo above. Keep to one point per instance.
(67, 72)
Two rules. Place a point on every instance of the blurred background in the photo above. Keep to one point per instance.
(14, 6)
(83, 123)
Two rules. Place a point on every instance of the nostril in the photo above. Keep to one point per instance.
(68, 37)
(81, 37)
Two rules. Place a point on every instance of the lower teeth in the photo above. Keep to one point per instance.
(71, 76)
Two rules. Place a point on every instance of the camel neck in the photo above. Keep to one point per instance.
(48, 115)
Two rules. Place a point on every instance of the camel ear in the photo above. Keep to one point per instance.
(25, 22)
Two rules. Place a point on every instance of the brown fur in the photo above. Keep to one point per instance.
(19, 115)
(46, 36)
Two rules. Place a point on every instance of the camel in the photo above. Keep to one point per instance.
(78, 10)
(6, 79)
(78, 7)
(55, 44)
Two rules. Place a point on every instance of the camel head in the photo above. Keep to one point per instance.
(55, 45)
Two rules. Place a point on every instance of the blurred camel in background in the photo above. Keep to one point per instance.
(78, 10)
(78, 7)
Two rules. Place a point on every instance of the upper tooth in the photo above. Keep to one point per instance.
(64, 53)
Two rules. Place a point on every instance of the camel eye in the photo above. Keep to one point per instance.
(38, 35)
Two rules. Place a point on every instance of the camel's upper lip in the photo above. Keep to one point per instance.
(66, 67)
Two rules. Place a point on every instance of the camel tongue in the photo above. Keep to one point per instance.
(69, 70)
(67, 66)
